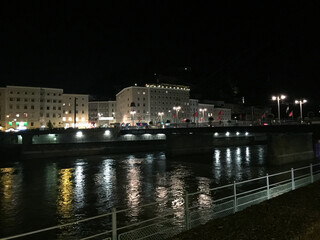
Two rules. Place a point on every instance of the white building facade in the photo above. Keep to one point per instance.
(30, 107)
(75, 110)
(102, 113)
(153, 103)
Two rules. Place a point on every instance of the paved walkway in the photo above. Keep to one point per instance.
(294, 215)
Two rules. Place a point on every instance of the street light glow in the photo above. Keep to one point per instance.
(278, 98)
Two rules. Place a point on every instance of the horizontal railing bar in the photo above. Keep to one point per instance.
(297, 169)
(302, 176)
(96, 235)
(145, 221)
(279, 183)
(239, 205)
(250, 180)
(252, 190)
(277, 174)
(58, 226)
(211, 189)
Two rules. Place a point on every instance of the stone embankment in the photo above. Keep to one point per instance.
(294, 215)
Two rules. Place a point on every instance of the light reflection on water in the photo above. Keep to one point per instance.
(76, 188)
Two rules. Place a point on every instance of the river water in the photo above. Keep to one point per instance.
(35, 194)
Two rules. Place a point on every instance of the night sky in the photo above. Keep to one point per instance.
(223, 49)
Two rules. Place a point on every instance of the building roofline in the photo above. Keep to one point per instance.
(8, 86)
(129, 88)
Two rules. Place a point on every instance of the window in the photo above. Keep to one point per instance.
(25, 93)
(32, 93)
(48, 115)
(59, 108)
(26, 100)
(82, 105)
(82, 111)
(76, 111)
(18, 99)
(48, 108)
(10, 106)
(53, 108)
(32, 107)
(32, 100)
(41, 108)
(18, 107)
(31, 124)
(48, 101)
(25, 107)
(54, 115)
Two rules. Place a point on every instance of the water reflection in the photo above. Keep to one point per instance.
(94, 185)
(65, 197)
(79, 186)
(204, 198)
(133, 188)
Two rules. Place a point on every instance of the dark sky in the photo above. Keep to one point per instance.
(230, 48)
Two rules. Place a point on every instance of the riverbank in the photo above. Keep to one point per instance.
(294, 215)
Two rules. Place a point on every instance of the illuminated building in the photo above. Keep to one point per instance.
(75, 110)
(143, 104)
(30, 107)
(102, 113)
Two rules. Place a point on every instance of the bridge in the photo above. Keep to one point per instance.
(286, 143)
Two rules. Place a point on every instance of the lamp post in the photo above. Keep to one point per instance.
(278, 100)
(202, 110)
(300, 101)
(177, 112)
(132, 116)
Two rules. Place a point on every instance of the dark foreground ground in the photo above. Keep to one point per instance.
(294, 215)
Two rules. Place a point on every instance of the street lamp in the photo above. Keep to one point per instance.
(300, 101)
(202, 110)
(278, 100)
(132, 116)
(177, 112)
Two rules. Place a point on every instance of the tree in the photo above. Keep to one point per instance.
(50, 125)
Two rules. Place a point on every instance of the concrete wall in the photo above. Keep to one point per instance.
(284, 148)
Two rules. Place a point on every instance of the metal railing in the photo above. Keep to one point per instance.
(168, 217)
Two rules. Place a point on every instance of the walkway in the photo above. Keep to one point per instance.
(294, 215)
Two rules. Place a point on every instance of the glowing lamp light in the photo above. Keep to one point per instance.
(246, 133)
(107, 133)
(216, 134)
(79, 134)
(227, 133)
(237, 133)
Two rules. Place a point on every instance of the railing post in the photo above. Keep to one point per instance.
(311, 173)
(268, 187)
(292, 179)
(114, 224)
(234, 197)
(186, 211)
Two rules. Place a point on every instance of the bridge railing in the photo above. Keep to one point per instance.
(183, 211)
